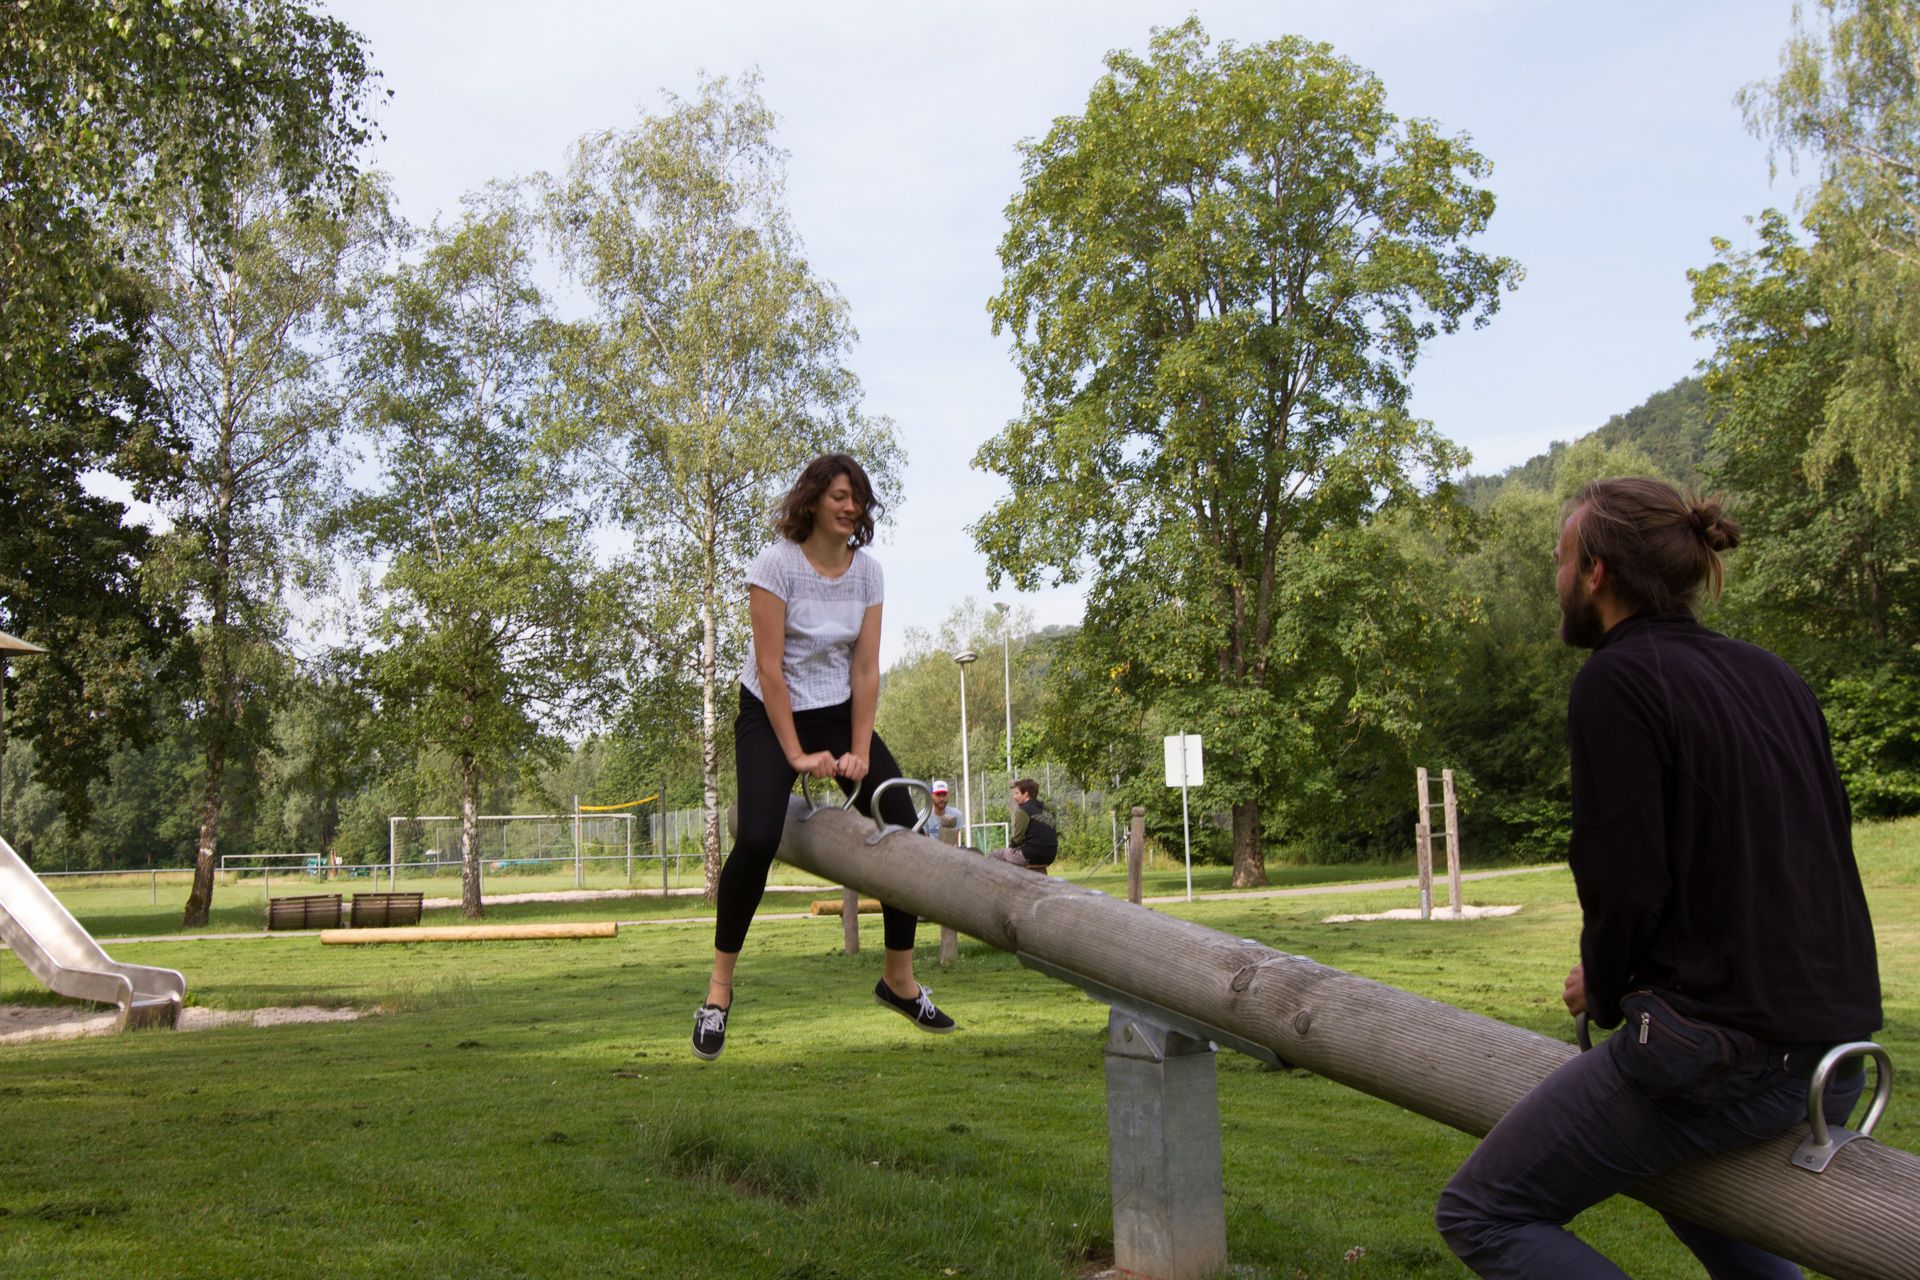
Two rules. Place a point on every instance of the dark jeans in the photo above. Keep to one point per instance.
(765, 781)
(1586, 1133)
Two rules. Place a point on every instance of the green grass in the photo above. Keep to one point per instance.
(482, 1130)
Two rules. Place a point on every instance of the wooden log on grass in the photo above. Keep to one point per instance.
(1856, 1221)
(835, 907)
(471, 933)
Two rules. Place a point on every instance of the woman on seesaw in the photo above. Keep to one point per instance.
(807, 699)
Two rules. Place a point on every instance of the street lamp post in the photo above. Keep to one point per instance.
(963, 660)
(9, 647)
(1006, 672)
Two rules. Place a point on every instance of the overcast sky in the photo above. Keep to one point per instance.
(1617, 152)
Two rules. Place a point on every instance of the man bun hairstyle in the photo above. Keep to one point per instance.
(793, 518)
(1657, 545)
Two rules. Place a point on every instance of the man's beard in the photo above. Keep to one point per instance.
(1580, 625)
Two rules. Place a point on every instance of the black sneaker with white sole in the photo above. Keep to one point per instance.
(918, 1009)
(709, 1031)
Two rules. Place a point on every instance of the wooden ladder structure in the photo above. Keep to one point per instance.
(1423, 841)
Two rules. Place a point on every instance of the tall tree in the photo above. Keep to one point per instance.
(712, 372)
(1826, 570)
(488, 622)
(1217, 279)
(1847, 102)
(244, 355)
(106, 108)
(1823, 563)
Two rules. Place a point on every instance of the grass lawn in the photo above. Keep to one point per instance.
(531, 1109)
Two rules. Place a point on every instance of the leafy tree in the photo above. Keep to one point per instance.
(322, 756)
(1847, 101)
(712, 373)
(71, 578)
(487, 617)
(107, 107)
(1825, 574)
(1825, 566)
(242, 346)
(1217, 280)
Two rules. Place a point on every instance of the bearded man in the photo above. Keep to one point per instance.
(1723, 918)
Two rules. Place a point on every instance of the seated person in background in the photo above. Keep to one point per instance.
(1031, 840)
(931, 827)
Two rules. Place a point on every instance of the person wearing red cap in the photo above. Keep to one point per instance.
(931, 827)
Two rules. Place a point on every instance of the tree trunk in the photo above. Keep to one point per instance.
(709, 751)
(1249, 862)
(200, 901)
(219, 685)
(470, 905)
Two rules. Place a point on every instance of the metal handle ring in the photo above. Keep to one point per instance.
(1582, 1032)
(1818, 1150)
(806, 792)
(1817, 1086)
(883, 828)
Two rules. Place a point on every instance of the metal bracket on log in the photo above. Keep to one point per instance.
(1822, 1142)
(1146, 1009)
(812, 808)
(883, 828)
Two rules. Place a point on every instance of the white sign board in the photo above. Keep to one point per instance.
(1195, 773)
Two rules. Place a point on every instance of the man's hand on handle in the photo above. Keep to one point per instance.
(1575, 992)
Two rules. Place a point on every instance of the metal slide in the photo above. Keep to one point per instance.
(56, 950)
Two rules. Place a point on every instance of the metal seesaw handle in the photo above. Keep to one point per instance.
(1582, 1032)
(806, 793)
(1818, 1150)
(883, 828)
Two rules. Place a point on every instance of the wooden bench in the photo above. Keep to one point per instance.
(381, 910)
(303, 911)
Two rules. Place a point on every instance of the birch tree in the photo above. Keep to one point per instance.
(1847, 103)
(107, 112)
(244, 357)
(486, 616)
(713, 369)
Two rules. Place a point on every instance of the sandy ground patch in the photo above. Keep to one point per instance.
(1468, 912)
(22, 1023)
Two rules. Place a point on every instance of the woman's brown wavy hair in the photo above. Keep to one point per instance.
(793, 518)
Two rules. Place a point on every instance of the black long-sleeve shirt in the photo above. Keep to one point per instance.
(1712, 840)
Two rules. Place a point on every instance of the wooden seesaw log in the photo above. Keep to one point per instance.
(470, 933)
(1855, 1221)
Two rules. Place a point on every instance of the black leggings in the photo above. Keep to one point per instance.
(765, 783)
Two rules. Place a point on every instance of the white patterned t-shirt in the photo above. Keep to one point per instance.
(823, 620)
